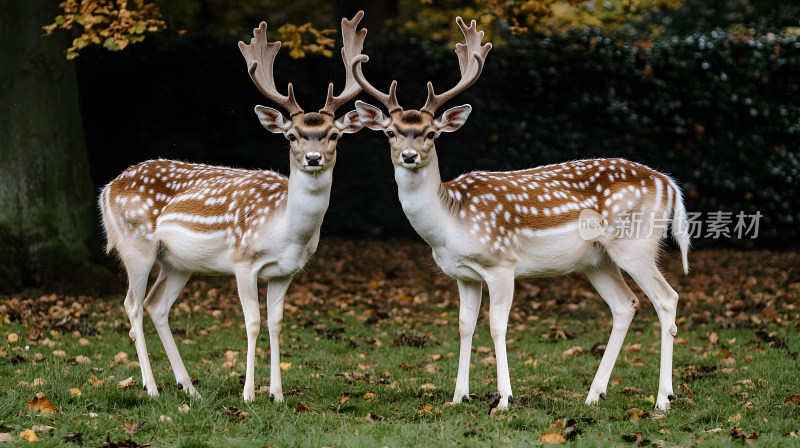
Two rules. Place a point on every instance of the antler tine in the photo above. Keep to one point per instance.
(352, 44)
(390, 100)
(471, 56)
(260, 58)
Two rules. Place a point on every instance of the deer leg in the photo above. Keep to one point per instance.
(501, 294)
(276, 291)
(607, 280)
(138, 274)
(665, 301)
(247, 284)
(470, 297)
(158, 303)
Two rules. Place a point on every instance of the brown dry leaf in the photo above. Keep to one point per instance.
(436, 357)
(633, 348)
(6, 437)
(80, 359)
(684, 389)
(316, 375)
(164, 418)
(59, 353)
(636, 438)
(13, 338)
(183, 408)
(364, 366)
(121, 357)
(131, 427)
(427, 386)
(428, 408)
(638, 362)
(84, 342)
(75, 391)
(234, 413)
(28, 435)
(572, 352)
(713, 337)
(552, 438)
(285, 366)
(489, 361)
(735, 418)
(432, 368)
(95, 381)
(407, 367)
(792, 399)
(301, 408)
(127, 382)
(616, 381)
(41, 403)
(483, 350)
(635, 414)
(370, 396)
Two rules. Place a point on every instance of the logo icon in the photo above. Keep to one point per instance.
(591, 224)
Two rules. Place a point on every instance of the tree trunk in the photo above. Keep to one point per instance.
(47, 206)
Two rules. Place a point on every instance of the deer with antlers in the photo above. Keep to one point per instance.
(189, 217)
(494, 227)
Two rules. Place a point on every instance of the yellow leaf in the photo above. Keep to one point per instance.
(42, 404)
(370, 396)
(364, 366)
(75, 391)
(12, 338)
(28, 436)
(735, 418)
(552, 438)
(285, 366)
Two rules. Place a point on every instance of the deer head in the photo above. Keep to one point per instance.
(411, 133)
(312, 136)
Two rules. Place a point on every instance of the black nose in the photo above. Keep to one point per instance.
(313, 159)
(409, 157)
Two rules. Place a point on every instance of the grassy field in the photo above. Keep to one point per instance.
(370, 349)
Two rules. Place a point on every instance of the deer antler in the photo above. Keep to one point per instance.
(260, 58)
(470, 59)
(352, 44)
(390, 100)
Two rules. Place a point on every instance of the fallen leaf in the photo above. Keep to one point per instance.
(483, 350)
(41, 403)
(164, 418)
(735, 418)
(713, 337)
(42, 428)
(234, 413)
(28, 436)
(75, 391)
(638, 362)
(127, 382)
(59, 353)
(370, 396)
(6, 437)
(285, 366)
(572, 352)
(364, 366)
(183, 408)
(131, 427)
(635, 414)
(552, 438)
(95, 381)
(121, 357)
(80, 359)
(427, 386)
(301, 408)
(792, 399)
(13, 338)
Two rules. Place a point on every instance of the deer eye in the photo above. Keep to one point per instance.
(430, 134)
(334, 136)
(292, 137)
(390, 133)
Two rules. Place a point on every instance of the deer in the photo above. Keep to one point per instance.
(195, 218)
(495, 227)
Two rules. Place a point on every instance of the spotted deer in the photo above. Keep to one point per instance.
(190, 217)
(494, 227)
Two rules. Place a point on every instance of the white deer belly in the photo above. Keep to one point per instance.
(186, 250)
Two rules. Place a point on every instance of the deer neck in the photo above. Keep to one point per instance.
(420, 195)
(307, 202)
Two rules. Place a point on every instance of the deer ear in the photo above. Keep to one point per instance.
(272, 120)
(452, 119)
(349, 123)
(371, 116)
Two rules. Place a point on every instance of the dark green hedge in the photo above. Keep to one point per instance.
(720, 113)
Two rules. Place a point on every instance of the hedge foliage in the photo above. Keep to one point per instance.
(717, 111)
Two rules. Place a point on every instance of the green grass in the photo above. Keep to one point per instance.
(748, 393)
